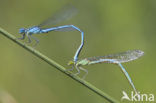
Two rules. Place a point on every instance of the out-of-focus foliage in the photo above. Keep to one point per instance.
(109, 27)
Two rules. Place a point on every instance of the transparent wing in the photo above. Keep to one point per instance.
(64, 14)
(117, 58)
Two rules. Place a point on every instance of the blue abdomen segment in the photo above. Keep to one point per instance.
(61, 28)
(68, 28)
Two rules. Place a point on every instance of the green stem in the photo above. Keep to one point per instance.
(58, 67)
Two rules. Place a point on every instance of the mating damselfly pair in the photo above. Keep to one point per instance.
(65, 14)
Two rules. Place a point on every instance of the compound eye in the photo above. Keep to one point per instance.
(70, 63)
(22, 30)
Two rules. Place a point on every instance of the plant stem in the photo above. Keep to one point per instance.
(58, 67)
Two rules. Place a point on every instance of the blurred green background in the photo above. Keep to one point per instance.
(109, 26)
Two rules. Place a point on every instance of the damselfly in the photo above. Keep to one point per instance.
(113, 58)
(66, 13)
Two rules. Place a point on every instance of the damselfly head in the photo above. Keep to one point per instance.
(70, 63)
(22, 30)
